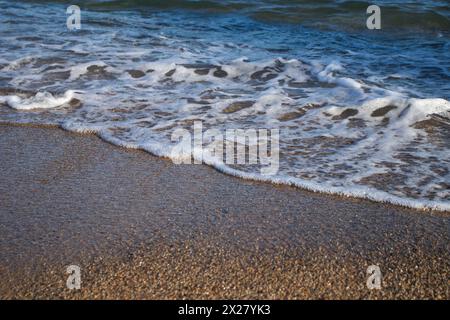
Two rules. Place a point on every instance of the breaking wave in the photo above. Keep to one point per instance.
(350, 121)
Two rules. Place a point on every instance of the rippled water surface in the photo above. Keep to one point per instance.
(361, 113)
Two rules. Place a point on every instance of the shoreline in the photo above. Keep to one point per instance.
(126, 216)
(277, 181)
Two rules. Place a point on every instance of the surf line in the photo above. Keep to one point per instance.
(238, 146)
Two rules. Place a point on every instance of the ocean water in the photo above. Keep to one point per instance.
(362, 113)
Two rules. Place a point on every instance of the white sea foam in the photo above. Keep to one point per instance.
(320, 149)
(340, 132)
(81, 69)
(42, 100)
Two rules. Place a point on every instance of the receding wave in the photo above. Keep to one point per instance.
(366, 123)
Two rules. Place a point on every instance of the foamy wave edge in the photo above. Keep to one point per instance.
(349, 192)
(354, 192)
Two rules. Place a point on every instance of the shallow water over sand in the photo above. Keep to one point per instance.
(360, 113)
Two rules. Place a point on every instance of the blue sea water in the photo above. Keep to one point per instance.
(361, 112)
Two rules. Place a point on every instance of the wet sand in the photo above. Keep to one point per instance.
(141, 227)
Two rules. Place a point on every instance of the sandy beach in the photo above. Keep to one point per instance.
(141, 227)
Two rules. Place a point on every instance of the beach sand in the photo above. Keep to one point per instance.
(141, 227)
